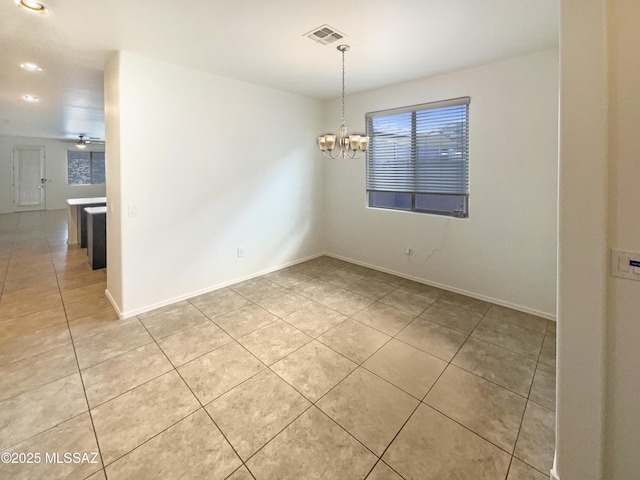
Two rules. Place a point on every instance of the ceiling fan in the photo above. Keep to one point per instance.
(84, 141)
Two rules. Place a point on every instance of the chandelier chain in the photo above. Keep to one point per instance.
(343, 87)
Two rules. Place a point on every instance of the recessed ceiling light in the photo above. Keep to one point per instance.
(33, 6)
(32, 67)
(31, 98)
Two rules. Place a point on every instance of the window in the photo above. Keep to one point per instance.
(418, 158)
(85, 168)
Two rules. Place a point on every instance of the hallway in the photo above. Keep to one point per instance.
(47, 292)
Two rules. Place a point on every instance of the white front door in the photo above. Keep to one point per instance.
(28, 179)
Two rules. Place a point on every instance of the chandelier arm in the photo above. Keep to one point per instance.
(355, 154)
(329, 154)
(352, 154)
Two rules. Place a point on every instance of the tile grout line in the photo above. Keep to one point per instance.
(144, 383)
(380, 460)
(71, 374)
(470, 336)
(84, 389)
(268, 367)
(9, 447)
(422, 402)
(312, 404)
(456, 421)
(515, 443)
(525, 410)
(202, 406)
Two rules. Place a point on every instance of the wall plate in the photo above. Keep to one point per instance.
(625, 264)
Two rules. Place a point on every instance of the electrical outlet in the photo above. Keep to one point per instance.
(240, 252)
(408, 251)
(133, 210)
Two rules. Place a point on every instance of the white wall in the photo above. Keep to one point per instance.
(582, 253)
(211, 164)
(114, 187)
(623, 326)
(506, 250)
(55, 169)
(598, 385)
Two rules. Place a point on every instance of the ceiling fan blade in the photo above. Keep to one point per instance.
(86, 140)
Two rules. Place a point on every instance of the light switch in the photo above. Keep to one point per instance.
(625, 264)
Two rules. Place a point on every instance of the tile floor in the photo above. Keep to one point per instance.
(324, 370)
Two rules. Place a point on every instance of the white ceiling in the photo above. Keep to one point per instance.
(257, 41)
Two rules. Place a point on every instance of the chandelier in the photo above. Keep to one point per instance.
(346, 146)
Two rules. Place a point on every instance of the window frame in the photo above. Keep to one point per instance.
(414, 178)
(91, 167)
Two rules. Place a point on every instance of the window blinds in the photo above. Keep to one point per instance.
(420, 149)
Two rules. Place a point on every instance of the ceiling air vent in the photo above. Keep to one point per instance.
(324, 35)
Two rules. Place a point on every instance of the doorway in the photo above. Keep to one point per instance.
(29, 182)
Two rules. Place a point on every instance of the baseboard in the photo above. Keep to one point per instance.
(497, 301)
(115, 306)
(186, 296)
(553, 474)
